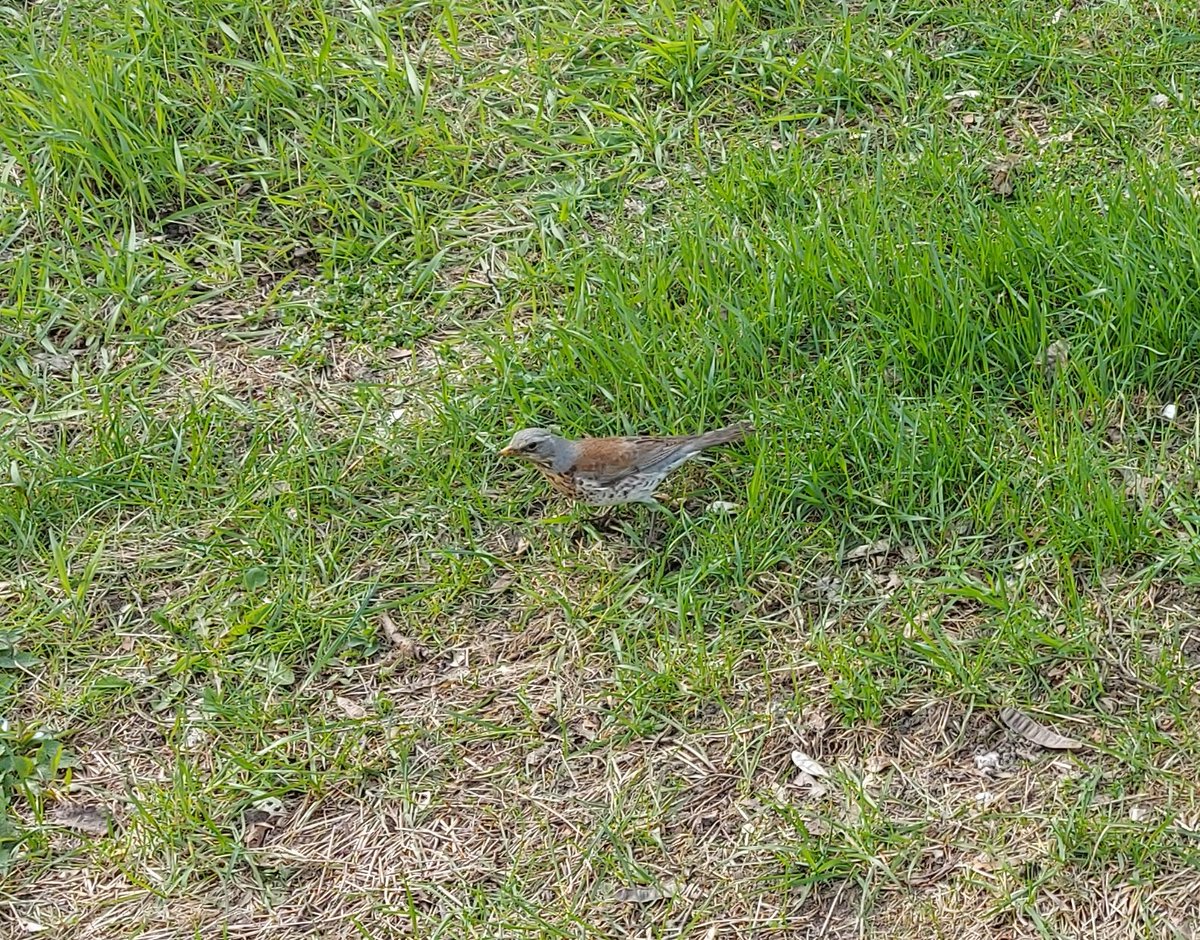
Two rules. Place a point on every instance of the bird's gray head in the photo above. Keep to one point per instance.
(539, 447)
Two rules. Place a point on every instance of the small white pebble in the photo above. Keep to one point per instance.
(1169, 412)
(1160, 101)
(723, 507)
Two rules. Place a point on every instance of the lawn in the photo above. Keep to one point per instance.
(287, 650)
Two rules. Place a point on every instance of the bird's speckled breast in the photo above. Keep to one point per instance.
(561, 482)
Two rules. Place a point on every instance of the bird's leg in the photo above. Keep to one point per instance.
(601, 522)
(658, 508)
(596, 524)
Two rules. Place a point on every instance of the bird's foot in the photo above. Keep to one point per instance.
(595, 527)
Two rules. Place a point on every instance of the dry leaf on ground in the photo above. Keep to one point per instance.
(89, 820)
(810, 776)
(58, 363)
(1036, 732)
(501, 584)
(1140, 488)
(881, 547)
(389, 628)
(256, 834)
(816, 789)
(406, 647)
(1054, 357)
(808, 765)
(957, 99)
(350, 708)
(269, 807)
(260, 820)
(1002, 176)
(646, 894)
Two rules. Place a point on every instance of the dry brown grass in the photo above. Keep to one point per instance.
(497, 769)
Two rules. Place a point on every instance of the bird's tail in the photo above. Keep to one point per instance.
(727, 435)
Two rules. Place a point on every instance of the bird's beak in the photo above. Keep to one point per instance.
(506, 452)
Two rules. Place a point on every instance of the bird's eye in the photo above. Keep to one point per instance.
(530, 447)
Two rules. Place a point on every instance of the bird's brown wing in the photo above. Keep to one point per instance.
(608, 459)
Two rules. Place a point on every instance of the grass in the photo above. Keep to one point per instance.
(286, 650)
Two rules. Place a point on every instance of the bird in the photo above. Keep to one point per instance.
(610, 471)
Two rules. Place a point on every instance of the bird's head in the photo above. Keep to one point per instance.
(537, 446)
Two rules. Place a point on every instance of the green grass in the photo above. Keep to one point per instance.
(278, 281)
